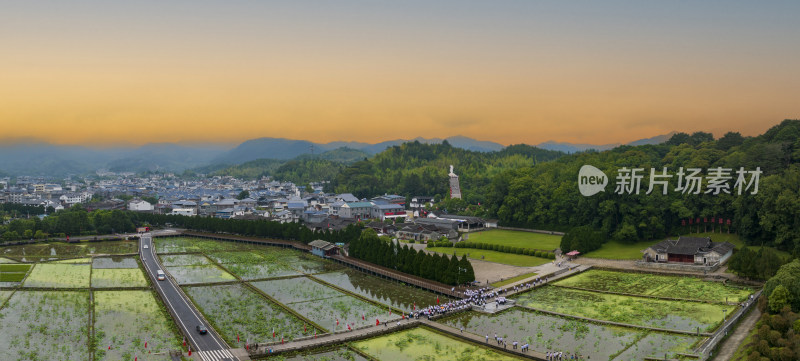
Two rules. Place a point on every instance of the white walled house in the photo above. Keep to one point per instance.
(183, 212)
(140, 206)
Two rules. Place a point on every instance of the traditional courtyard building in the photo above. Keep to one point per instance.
(691, 250)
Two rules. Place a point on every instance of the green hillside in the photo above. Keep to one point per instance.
(422, 169)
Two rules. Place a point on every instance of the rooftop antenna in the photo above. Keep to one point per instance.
(312, 150)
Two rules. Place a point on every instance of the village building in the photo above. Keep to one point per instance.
(689, 250)
(323, 249)
(357, 210)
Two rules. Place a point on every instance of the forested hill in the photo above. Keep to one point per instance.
(421, 169)
(301, 170)
(546, 196)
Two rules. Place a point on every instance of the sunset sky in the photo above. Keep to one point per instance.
(135, 72)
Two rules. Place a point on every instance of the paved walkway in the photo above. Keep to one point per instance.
(337, 338)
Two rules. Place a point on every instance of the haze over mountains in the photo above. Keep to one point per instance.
(43, 159)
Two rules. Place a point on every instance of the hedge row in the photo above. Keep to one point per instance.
(507, 249)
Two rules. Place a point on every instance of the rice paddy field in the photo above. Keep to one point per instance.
(672, 315)
(45, 325)
(125, 320)
(298, 289)
(324, 305)
(13, 272)
(49, 291)
(192, 245)
(657, 285)
(118, 277)
(423, 344)
(114, 262)
(380, 290)
(338, 354)
(210, 273)
(49, 251)
(547, 333)
(237, 310)
(59, 276)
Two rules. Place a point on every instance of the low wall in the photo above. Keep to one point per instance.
(678, 267)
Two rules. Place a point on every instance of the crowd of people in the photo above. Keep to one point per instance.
(561, 356)
(452, 306)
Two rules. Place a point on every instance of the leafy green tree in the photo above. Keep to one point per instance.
(626, 234)
(243, 194)
(730, 140)
(787, 276)
(583, 239)
(469, 274)
(779, 298)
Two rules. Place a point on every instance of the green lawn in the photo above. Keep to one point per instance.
(513, 279)
(617, 250)
(493, 256)
(516, 239)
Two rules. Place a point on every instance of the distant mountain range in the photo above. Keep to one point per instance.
(573, 148)
(281, 148)
(43, 159)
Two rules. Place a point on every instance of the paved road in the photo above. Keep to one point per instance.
(732, 343)
(210, 347)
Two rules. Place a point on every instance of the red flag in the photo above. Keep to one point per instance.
(136, 358)
(237, 338)
(348, 327)
(273, 332)
(109, 347)
(145, 344)
(184, 342)
(377, 322)
(305, 329)
(315, 333)
(363, 318)
(281, 340)
(437, 300)
(337, 321)
(190, 350)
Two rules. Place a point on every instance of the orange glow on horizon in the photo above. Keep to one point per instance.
(114, 75)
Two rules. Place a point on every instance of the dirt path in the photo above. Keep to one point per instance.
(729, 346)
